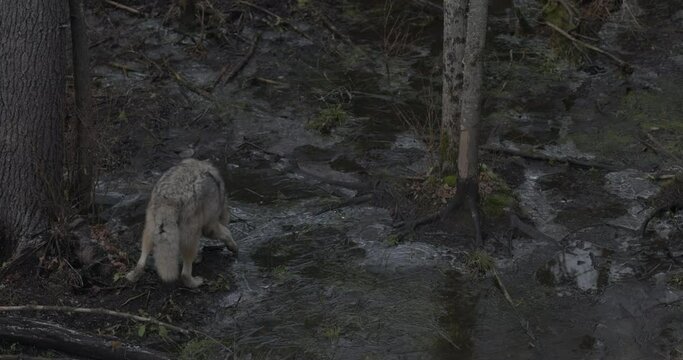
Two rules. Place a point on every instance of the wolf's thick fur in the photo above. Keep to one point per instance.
(186, 202)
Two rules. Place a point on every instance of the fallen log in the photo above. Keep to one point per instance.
(48, 335)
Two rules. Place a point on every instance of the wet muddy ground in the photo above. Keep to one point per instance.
(318, 278)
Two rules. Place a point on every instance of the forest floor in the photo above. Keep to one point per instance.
(306, 104)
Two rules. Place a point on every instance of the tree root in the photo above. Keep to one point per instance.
(467, 191)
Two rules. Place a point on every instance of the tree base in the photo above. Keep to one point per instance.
(467, 192)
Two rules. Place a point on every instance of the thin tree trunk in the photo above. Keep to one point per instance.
(454, 28)
(468, 152)
(470, 107)
(32, 92)
(83, 169)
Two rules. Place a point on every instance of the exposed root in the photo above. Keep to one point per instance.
(468, 191)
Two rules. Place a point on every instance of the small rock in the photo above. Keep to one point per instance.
(186, 154)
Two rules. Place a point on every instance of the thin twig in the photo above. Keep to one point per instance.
(123, 7)
(330, 26)
(133, 298)
(188, 85)
(99, 311)
(587, 45)
(165, 67)
(658, 147)
(522, 321)
(278, 19)
(237, 68)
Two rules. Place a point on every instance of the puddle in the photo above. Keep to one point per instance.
(584, 265)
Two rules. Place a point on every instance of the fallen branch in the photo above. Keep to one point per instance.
(98, 311)
(48, 335)
(164, 67)
(659, 147)
(28, 357)
(529, 230)
(536, 156)
(330, 26)
(237, 68)
(522, 321)
(621, 63)
(123, 7)
(353, 201)
(190, 86)
(278, 19)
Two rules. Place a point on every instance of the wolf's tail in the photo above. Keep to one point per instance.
(166, 242)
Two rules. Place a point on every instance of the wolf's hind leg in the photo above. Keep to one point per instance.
(189, 253)
(219, 231)
(146, 248)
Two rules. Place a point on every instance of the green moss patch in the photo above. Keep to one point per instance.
(328, 119)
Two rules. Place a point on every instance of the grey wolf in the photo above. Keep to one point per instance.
(187, 201)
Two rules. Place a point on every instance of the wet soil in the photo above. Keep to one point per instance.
(318, 278)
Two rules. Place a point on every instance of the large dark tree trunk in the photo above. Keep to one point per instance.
(32, 92)
(82, 128)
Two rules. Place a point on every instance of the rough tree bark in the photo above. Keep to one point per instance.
(454, 27)
(32, 92)
(82, 127)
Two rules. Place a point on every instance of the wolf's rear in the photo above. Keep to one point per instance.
(166, 239)
(186, 202)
